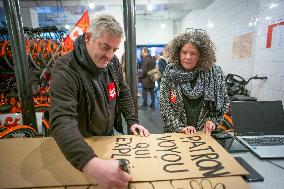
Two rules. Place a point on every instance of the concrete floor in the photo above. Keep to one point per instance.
(150, 119)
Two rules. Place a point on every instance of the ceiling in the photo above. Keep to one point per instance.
(66, 12)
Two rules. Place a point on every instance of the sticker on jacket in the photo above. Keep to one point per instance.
(111, 91)
(173, 97)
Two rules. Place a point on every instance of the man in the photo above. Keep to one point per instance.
(162, 66)
(148, 63)
(162, 63)
(88, 95)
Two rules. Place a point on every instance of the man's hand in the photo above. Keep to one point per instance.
(188, 130)
(106, 173)
(209, 126)
(141, 130)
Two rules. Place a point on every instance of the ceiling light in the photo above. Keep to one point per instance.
(150, 7)
(210, 24)
(268, 18)
(163, 25)
(273, 5)
(91, 5)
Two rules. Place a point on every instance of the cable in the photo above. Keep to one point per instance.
(275, 164)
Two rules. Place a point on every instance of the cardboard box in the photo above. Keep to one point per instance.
(35, 162)
(38, 162)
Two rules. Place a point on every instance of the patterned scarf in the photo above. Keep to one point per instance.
(210, 84)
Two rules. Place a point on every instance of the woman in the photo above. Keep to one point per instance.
(148, 63)
(193, 94)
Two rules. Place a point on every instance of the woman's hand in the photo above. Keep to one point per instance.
(209, 126)
(188, 130)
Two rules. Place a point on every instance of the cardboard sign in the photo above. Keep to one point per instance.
(168, 156)
(233, 182)
(38, 162)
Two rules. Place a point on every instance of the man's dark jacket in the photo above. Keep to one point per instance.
(80, 105)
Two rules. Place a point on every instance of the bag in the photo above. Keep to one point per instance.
(154, 74)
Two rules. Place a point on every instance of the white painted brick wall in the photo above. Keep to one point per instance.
(151, 32)
(231, 18)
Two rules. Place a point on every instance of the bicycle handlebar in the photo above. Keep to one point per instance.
(262, 78)
(256, 77)
(241, 80)
(236, 84)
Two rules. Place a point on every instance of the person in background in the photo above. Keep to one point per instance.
(139, 71)
(123, 66)
(162, 66)
(162, 63)
(193, 92)
(148, 63)
(88, 95)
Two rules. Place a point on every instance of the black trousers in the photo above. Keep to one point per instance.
(145, 95)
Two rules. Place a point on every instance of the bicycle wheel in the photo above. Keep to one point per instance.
(19, 131)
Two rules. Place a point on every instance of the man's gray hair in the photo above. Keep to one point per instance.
(102, 23)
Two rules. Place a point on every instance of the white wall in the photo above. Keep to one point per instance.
(151, 32)
(29, 17)
(231, 18)
(147, 31)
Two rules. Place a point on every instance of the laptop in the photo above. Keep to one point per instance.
(259, 125)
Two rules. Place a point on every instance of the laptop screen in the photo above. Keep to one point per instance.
(257, 117)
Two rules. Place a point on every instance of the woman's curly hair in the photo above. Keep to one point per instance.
(199, 39)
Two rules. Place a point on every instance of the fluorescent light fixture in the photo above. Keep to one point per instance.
(268, 18)
(91, 5)
(163, 25)
(150, 7)
(210, 24)
(273, 5)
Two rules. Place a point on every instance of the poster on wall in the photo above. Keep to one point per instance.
(275, 35)
(242, 46)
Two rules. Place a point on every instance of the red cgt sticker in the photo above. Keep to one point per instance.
(111, 91)
(173, 97)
